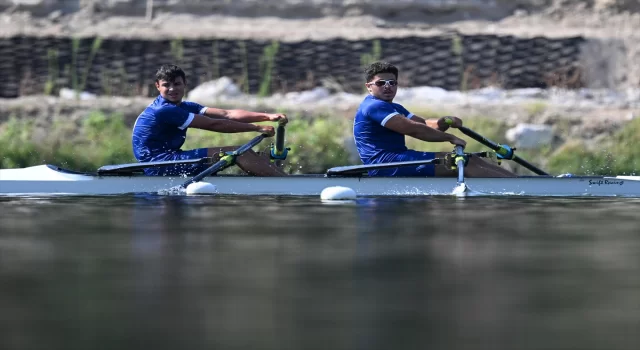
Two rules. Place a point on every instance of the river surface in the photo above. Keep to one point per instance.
(178, 272)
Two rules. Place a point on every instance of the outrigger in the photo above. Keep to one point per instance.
(128, 178)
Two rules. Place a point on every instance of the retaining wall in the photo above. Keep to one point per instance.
(34, 65)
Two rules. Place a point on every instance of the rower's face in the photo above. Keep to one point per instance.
(383, 86)
(173, 91)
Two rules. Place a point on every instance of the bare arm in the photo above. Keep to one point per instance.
(438, 123)
(228, 126)
(242, 116)
(420, 130)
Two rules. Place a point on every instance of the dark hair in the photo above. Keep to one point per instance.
(169, 72)
(379, 67)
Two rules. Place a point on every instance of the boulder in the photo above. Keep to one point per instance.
(215, 90)
(309, 96)
(530, 135)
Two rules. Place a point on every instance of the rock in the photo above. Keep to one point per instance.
(29, 2)
(530, 135)
(215, 90)
(309, 96)
(70, 94)
(54, 16)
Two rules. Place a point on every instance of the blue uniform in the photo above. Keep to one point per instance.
(161, 130)
(377, 144)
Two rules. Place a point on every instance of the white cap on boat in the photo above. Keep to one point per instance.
(335, 193)
(201, 187)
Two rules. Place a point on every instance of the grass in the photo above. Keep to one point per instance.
(101, 139)
(97, 140)
(374, 56)
(267, 62)
(317, 143)
(535, 108)
(52, 73)
(619, 155)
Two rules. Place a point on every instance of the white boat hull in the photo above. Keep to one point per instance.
(48, 180)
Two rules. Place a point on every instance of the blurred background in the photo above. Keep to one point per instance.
(554, 78)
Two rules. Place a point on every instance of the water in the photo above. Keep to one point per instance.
(162, 272)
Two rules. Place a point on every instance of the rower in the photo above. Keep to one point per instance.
(380, 126)
(161, 130)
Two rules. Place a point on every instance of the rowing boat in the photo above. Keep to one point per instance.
(128, 178)
(49, 179)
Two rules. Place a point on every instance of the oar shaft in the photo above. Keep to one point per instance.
(502, 150)
(249, 145)
(474, 135)
(529, 166)
(224, 162)
(360, 169)
(460, 163)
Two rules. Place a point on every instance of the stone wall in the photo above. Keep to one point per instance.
(36, 65)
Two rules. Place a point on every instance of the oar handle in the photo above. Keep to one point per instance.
(280, 139)
(505, 151)
(278, 151)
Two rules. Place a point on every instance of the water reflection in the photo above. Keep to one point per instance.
(288, 273)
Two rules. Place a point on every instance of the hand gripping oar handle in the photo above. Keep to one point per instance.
(278, 151)
(280, 139)
(226, 161)
(504, 151)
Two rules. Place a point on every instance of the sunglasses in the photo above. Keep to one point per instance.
(381, 82)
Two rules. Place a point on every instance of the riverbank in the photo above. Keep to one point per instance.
(587, 132)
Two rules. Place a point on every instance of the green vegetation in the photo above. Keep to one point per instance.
(78, 82)
(52, 74)
(244, 81)
(97, 140)
(375, 55)
(535, 108)
(75, 47)
(177, 50)
(267, 62)
(620, 155)
(101, 139)
(97, 42)
(215, 63)
(317, 143)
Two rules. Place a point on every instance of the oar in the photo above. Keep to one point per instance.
(503, 150)
(226, 161)
(278, 151)
(359, 169)
(131, 167)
